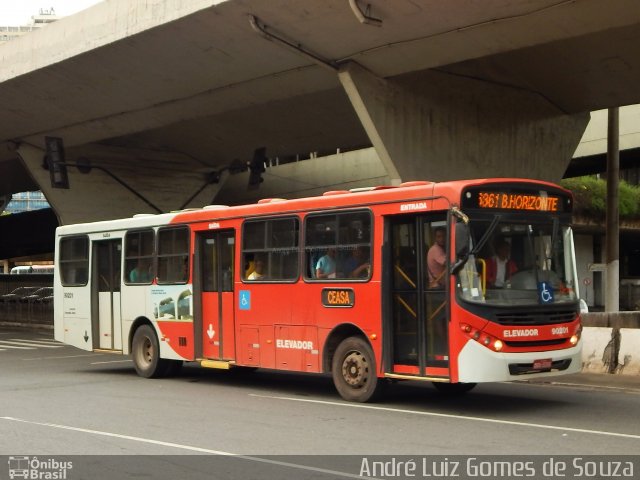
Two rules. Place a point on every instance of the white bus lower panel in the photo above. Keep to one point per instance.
(479, 364)
(77, 332)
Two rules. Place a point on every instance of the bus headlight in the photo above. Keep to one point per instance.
(497, 345)
(574, 339)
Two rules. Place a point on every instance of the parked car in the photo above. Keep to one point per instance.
(37, 295)
(17, 294)
(45, 300)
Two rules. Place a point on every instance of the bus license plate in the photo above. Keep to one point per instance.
(542, 364)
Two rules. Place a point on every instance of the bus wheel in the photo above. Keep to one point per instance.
(146, 353)
(354, 371)
(453, 388)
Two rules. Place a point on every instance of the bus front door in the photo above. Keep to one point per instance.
(106, 321)
(215, 322)
(416, 316)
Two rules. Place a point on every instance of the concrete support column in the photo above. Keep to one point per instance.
(612, 299)
(369, 96)
(437, 126)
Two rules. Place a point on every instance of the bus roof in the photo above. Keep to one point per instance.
(408, 191)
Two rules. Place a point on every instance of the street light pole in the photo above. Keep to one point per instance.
(612, 298)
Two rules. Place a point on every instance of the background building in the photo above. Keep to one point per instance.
(44, 17)
(26, 201)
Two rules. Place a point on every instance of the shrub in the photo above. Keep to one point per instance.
(590, 194)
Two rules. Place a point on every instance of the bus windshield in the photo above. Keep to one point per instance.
(519, 263)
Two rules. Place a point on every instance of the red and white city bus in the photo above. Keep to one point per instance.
(338, 283)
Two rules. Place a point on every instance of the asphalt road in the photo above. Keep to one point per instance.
(56, 400)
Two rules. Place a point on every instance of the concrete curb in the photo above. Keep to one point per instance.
(27, 326)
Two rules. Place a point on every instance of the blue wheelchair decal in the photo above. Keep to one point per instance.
(244, 300)
(545, 292)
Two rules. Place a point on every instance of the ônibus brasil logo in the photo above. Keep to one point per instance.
(38, 469)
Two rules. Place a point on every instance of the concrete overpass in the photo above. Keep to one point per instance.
(591, 155)
(162, 93)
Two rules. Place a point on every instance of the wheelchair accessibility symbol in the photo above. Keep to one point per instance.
(244, 301)
(545, 292)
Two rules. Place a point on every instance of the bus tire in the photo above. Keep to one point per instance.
(453, 388)
(146, 353)
(354, 371)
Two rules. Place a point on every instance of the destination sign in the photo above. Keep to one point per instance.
(518, 201)
(338, 297)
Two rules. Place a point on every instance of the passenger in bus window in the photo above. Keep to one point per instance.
(357, 266)
(326, 266)
(437, 259)
(500, 267)
(258, 270)
(141, 273)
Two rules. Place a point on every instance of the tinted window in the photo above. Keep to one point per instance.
(173, 255)
(270, 249)
(74, 261)
(139, 266)
(338, 246)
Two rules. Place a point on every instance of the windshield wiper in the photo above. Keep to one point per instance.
(487, 234)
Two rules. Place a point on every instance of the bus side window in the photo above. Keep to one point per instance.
(274, 243)
(334, 243)
(139, 256)
(173, 255)
(74, 261)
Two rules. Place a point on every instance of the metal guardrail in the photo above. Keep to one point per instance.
(8, 282)
(37, 313)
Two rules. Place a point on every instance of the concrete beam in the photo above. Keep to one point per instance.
(310, 177)
(439, 127)
(173, 179)
(166, 181)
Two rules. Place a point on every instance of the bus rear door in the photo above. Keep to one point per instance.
(416, 314)
(215, 323)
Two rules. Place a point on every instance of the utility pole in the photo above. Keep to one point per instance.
(612, 297)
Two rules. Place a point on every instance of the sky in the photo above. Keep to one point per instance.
(18, 12)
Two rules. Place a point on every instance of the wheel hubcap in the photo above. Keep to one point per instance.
(355, 369)
(147, 350)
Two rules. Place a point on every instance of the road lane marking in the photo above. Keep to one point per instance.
(14, 347)
(449, 415)
(111, 361)
(28, 344)
(185, 447)
(43, 341)
(62, 356)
